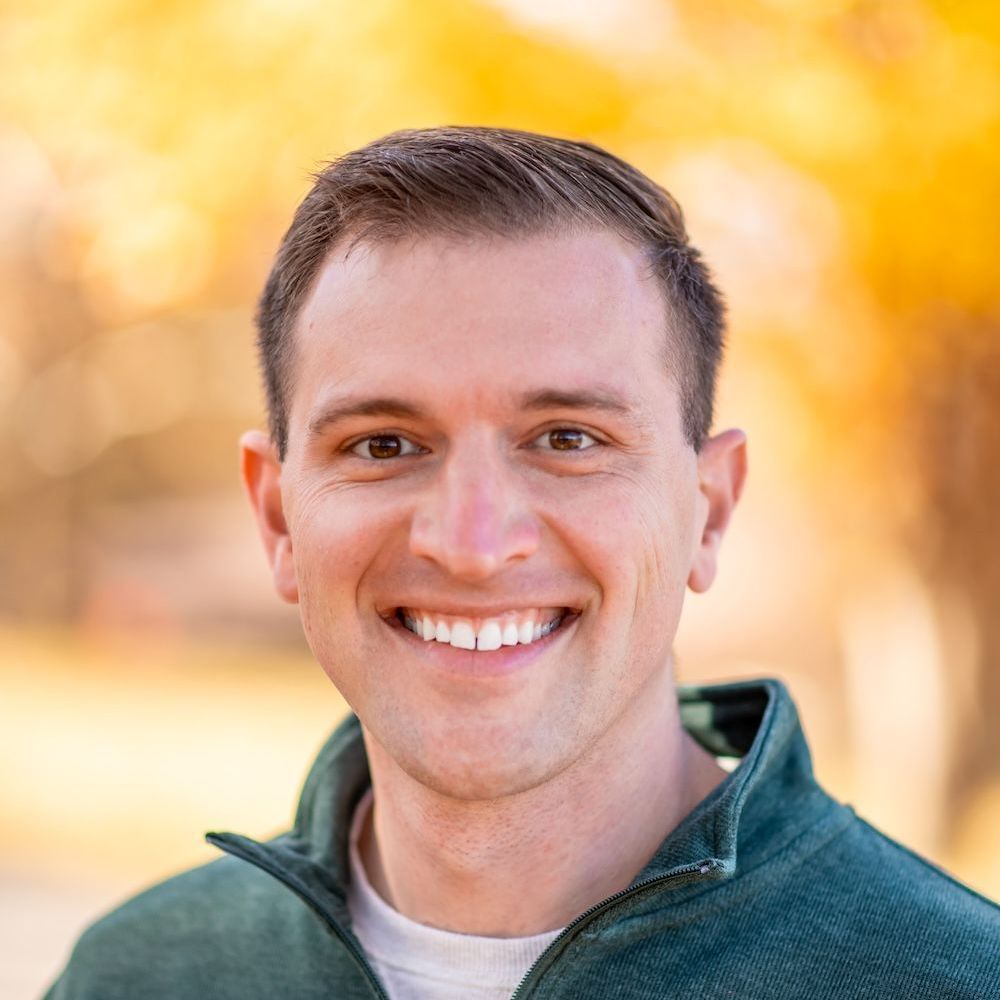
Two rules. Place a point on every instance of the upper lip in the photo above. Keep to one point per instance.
(494, 610)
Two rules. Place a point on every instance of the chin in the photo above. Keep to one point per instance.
(484, 782)
(476, 764)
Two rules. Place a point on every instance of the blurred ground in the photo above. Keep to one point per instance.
(114, 762)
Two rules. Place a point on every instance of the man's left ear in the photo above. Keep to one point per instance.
(722, 470)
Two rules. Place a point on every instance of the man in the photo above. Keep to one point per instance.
(490, 359)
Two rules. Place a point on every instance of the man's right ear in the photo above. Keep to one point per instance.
(260, 470)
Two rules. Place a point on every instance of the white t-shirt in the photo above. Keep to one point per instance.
(416, 962)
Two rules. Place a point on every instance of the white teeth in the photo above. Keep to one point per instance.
(489, 636)
(493, 633)
(462, 635)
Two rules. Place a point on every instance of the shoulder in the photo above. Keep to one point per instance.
(838, 911)
(895, 881)
(904, 923)
(221, 930)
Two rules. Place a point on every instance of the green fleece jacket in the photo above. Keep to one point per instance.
(768, 889)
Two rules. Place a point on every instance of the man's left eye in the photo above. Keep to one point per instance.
(564, 439)
(382, 446)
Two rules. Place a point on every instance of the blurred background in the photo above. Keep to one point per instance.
(839, 163)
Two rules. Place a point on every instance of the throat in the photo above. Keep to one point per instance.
(530, 861)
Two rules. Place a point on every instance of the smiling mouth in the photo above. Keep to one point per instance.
(519, 627)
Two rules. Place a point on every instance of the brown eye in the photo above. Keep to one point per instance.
(565, 440)
(568, 439)
(383, 446)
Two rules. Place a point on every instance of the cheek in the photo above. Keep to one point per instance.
(668, 546)
(335, 544)
(334, 540)
(635, 537)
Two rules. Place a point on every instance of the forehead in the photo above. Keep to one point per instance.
(482, 319)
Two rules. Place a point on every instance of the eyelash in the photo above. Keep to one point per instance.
(570, 429)
(415, 449)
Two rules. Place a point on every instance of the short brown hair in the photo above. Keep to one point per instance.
(463, 181)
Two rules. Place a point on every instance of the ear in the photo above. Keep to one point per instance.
(260, 469)
(722, 470)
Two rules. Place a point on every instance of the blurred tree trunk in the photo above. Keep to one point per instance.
(952, 451)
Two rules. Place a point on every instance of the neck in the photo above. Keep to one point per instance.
(531, 862)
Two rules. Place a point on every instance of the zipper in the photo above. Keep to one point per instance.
(237, 850)
(303, 892)
(575, 925)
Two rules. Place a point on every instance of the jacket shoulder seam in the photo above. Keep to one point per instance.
(927, 865)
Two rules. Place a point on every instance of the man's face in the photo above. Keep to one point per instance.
(485, 438)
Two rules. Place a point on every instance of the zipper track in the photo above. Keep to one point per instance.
(303, 892)
(575, 925)
(571, 929)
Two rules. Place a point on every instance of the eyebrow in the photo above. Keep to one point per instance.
(380, 406)
(541, 399)
(582, 399)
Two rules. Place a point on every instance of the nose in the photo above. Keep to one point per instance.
(474, 520)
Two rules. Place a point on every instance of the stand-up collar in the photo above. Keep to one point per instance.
(755, 721)
(764, 803)
(768, 799)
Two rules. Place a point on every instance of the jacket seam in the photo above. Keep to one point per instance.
(940, 873)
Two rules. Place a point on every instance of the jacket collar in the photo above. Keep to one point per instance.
(764, 803)
(768, 799)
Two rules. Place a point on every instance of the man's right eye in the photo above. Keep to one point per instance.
(382, 446)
